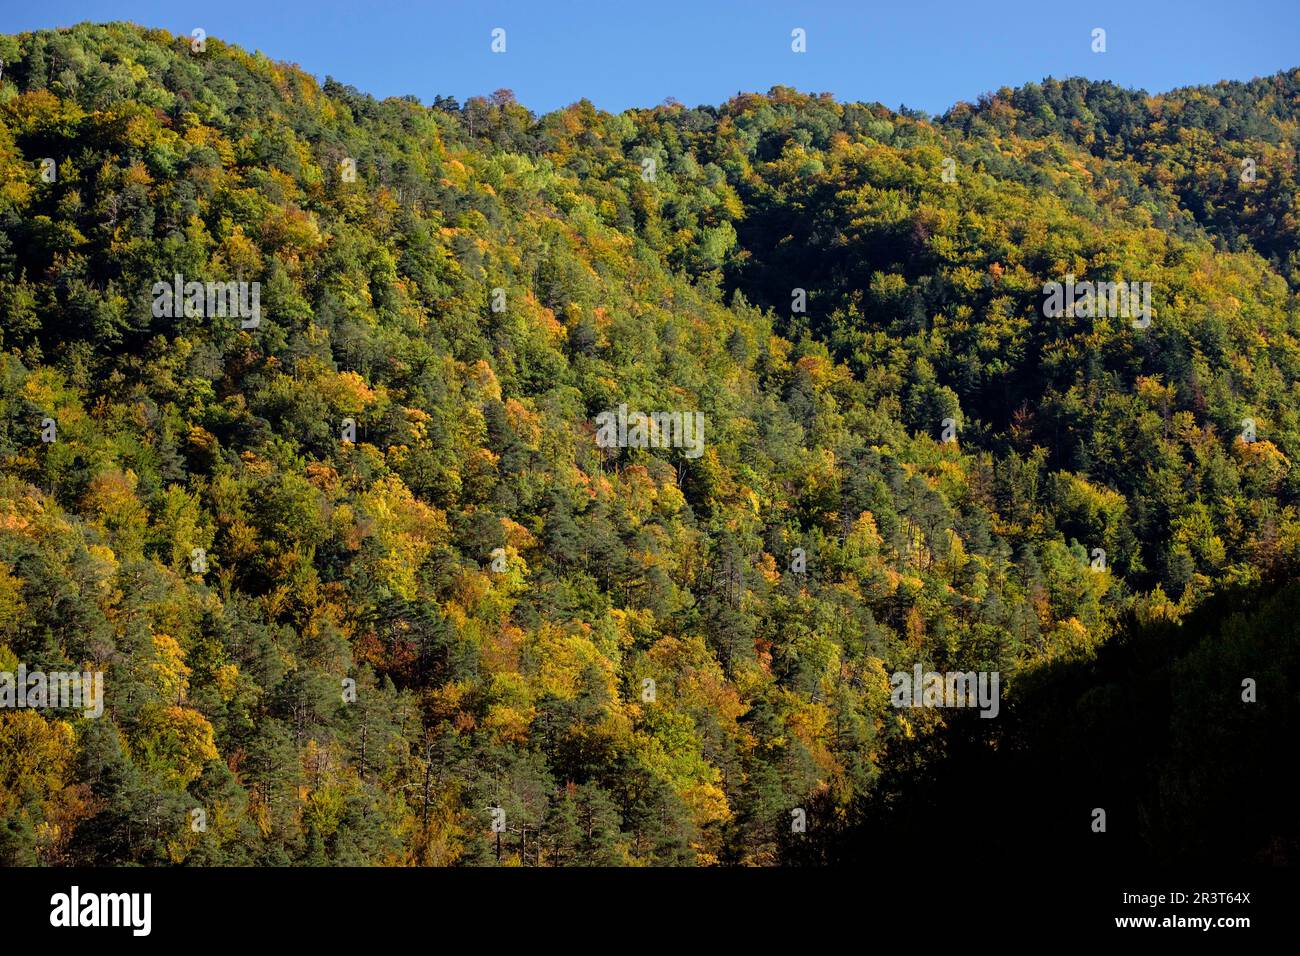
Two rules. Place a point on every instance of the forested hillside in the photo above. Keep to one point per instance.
(350, 646)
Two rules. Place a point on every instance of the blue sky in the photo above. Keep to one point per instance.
(621, 53)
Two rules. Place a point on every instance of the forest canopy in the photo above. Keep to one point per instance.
(366, 587)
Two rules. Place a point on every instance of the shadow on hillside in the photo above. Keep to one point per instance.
(1153, 730)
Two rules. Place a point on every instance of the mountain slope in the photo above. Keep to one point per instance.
(361, 570)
